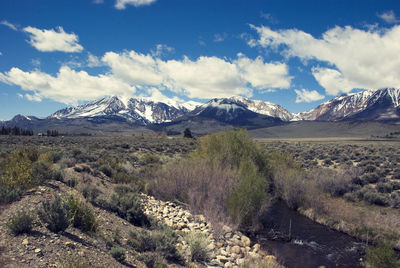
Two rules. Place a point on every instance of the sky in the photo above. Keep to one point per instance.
(298, 54)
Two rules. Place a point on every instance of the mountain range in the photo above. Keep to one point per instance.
(368, 105)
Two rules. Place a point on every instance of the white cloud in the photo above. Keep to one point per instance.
(68, 86)
(53, 40)
(308, 96)
(9, 25)
(203, 78)
(389, 17)
(356, 58)
(98, 1)
(33, 97)
(162, 50)
(93, 61)
(121, 4)
(20, 96)
(133, 67)
(263, 75)
(1, 54)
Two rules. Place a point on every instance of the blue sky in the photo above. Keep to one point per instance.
(297, 54)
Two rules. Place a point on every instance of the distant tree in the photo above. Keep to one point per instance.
(187, 133)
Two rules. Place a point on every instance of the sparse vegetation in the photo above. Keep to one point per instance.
(55, 214)
(20, 223)
(118, 253)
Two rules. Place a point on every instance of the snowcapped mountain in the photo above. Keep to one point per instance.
(265, 108)
(237, 111)
(237, 103)
(137, 110)
(146, 111)
(381, 104)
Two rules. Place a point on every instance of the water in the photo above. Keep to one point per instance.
(311, 244)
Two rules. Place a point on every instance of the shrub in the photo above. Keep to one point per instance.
(127, 207)
(20, 223)
(152, 259)
(72, 182)
(118, 253)
(198, 243)
(225, 166)
(162, 241)
(335, 182)
(150, 159)
(376, 198)
(247, 195)
(382, 256)
(9, 194)
(107, 170)
(384, 187)
(81, 214)
(90, 192)
(55, 215)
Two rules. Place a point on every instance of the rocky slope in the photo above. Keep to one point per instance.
(42, 248)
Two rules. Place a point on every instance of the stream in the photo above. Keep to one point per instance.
(311, 244)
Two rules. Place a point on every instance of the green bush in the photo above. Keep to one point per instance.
(90, 192)
(152, 259)
(376, 198)
(55, 215)
(20, 223)
(81, 214)
(128, 207)
(162, 241)
(247, 195)
(382, 256)
(9, 194)
(198, 243)
(118, 253)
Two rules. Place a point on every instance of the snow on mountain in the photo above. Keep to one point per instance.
(140, 110)
(265, 108)
(256, 106)
(378, 104)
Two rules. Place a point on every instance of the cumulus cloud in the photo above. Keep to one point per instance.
(133, 67)
(53, 40)
(203, 78)
(355, 58)
(121, 4)
(308, 96)
(68, 86)
(9, 25)
(389, 17)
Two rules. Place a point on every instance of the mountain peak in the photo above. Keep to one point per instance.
(381, 104)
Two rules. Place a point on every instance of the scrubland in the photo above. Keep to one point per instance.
(352, 186)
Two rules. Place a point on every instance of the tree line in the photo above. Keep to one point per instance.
(16, 131)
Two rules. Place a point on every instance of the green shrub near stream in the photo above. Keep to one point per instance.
(227, 176)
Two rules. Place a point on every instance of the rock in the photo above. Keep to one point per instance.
(235, 249)
(228, 264)
(246, 241)
(219, 244)
(222, 258)
(25, 242)
(69, 244)
(226, 229)
(256, 247)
